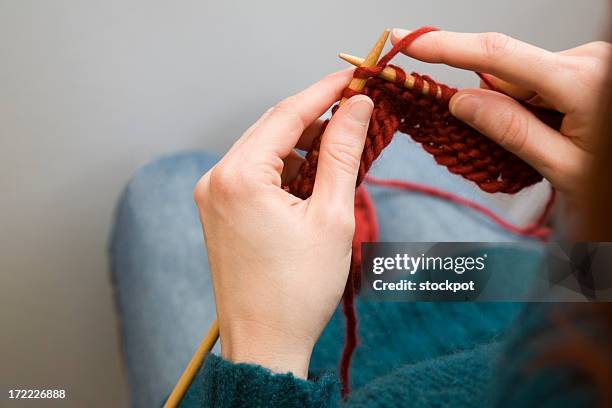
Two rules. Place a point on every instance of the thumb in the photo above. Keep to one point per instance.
(512, 126)
(340, 154)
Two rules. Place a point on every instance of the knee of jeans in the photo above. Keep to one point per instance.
(160, 191)
(168, 176)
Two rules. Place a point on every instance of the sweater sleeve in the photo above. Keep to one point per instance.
(539, 367)
(225, 384)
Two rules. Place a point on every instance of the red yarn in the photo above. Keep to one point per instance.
(366, 230)
(535, 229)
(454, 144)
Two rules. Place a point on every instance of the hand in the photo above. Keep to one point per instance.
(571, 82)
(279, 264)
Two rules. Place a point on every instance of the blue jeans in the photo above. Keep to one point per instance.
(159, 263)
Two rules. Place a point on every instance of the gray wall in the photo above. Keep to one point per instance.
(89, 90)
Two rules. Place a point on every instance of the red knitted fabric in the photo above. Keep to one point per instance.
(427, 120)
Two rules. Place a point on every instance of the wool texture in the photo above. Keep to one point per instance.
(421, 112)
(241, 385)
(424, 334)
(423, 354)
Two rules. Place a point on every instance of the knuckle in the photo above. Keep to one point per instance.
(512, 130)
(496, 45)
(226, 180)
(330, 77)
(200, 191)
(439, 44)
(287, 104)
(287, 109)
(343, 156)
(339, 221)
(345, 224)
(436, 41)
(590, 73)
(601, 48)
(597, 71)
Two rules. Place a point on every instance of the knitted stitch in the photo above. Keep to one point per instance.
(426, 118)
(422, 113)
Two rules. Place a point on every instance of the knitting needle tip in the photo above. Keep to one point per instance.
(370, 60)
(351, 59)
(387, 73)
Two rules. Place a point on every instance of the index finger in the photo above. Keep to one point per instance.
(505, 57)
(281, 129)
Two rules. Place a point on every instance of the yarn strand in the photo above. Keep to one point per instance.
(422, 113)
(536, 229)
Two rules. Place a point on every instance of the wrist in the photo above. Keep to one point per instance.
(276, 350)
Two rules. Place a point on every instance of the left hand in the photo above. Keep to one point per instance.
(571, 82)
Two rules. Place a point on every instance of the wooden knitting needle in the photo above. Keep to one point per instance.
(181, 387)
(389, 74)
(211, 337)
(370, 60)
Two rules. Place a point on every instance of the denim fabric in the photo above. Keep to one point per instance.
(160, 269)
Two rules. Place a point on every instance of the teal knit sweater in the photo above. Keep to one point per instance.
(412, 355)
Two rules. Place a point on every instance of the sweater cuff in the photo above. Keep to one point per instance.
(226, 384)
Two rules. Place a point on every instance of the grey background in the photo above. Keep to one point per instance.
(89, 90)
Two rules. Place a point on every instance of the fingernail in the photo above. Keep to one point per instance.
(400, 32)
(465, 106)
(361, 109)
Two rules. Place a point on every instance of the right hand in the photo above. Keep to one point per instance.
(572, 82)
(279, 264)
